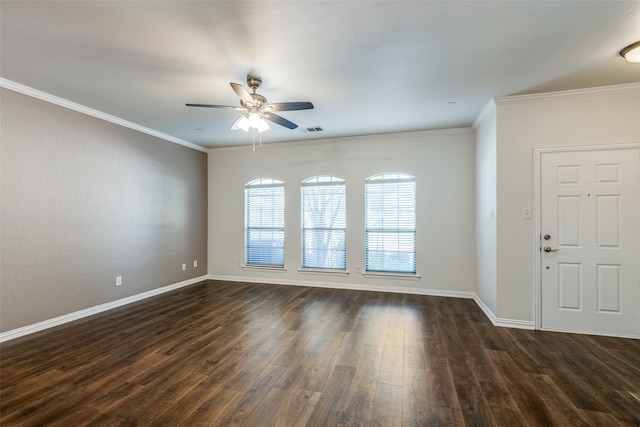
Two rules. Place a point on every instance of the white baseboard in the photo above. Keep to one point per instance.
(587, 332)
(502, 322)
(60, 320)
(508, 323)
(347, 286)
(514, 323)
(66, 318)
(485, 308)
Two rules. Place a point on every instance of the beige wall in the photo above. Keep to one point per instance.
(441, 161)
(485, 206)
(84, 201)
(600, 116)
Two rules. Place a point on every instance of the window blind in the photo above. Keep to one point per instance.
(324, 223)
(390, 230)
(264, 222)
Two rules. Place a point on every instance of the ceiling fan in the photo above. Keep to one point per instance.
(257, 109)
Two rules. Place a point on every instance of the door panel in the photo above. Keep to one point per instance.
(569, 286)
(608, 288)
(608, 221)
(590, 210)
(569, 221)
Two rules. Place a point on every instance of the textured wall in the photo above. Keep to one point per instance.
(485, 206)
(602, 116)
(84, 201)
(441, 161)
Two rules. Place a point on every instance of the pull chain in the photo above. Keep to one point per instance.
(253, 132)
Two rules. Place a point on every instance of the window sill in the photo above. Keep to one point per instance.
(322, 271)
(280, 269)
(379, 274)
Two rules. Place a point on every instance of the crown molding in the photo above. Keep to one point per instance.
(52, 99)
(489, 108)
(355, 138)
(600, 90)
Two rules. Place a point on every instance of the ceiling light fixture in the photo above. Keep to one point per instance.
(257, 110)
(631, 53)
(254, 120)
(251, 121)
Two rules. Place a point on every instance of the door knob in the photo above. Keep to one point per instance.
(548, 249)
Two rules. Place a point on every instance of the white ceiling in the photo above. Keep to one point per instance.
(368, 66)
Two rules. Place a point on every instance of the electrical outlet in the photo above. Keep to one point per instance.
(119, 281)
(195, 263)
(184, 266)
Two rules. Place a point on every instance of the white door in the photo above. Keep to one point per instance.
(590, 241)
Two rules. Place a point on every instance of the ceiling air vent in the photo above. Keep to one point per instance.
(315, 129)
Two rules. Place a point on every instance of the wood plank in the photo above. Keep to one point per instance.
(328, 410)
(387, 407)
(296, 408)
(359, 402)
(228, 353)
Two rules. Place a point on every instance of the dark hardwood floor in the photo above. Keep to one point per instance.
(223, 353)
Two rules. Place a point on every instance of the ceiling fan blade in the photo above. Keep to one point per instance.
(289, 106)
(215, 106)
(280, 121)
(242, 93)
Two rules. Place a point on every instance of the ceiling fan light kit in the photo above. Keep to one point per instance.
(257, 110)
(631, 53)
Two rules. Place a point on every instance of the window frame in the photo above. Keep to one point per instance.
(341, 228)
(277, 226)
(401, 217)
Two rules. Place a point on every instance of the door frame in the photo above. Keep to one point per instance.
(537, 218)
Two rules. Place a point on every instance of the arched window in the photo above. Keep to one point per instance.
(264, 222)
(324, 223)
(390, 223)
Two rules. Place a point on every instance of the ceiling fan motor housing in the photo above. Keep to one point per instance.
(254, 82)
(256, 105)
(258, 101)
